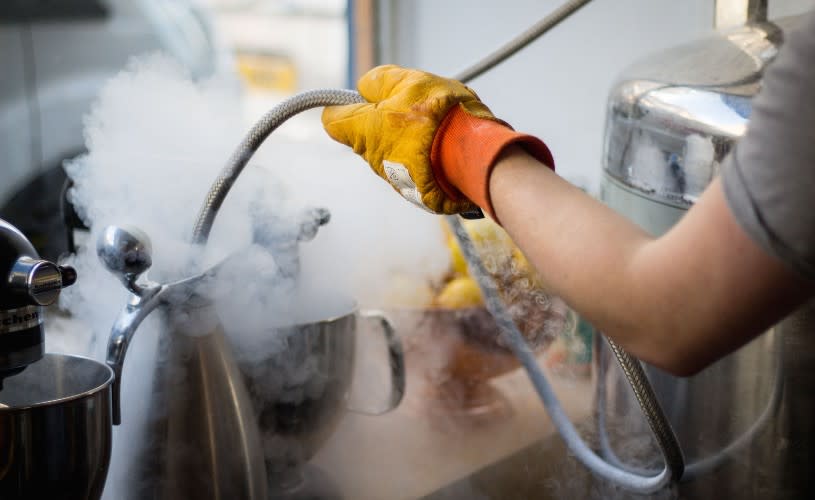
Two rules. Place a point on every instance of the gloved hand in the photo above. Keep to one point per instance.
(430, 137)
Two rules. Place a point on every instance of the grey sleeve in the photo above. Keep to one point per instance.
(769, 178)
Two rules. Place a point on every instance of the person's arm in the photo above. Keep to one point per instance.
(679, 301)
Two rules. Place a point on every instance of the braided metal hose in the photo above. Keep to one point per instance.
(644, 392)
(334, 97)
(672, 453)
(657, 421)
(519, 42)
(711, 462)
(257, 134)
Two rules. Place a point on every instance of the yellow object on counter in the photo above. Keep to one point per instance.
(519, 285)
(457, 260)
(460, 293)
(488, 237)
(486, 232)
(266, 72)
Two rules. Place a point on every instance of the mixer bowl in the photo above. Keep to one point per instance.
(55, 429)
(299, 391)
(299, 385)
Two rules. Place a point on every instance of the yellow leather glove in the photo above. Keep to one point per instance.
(394, 132)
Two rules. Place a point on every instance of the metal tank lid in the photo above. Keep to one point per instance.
(674, 116)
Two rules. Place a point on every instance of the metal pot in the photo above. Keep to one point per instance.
(300, 389)
(55, 429)
(202, 438)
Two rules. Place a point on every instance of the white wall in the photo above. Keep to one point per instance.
(557, 87)
(780, 8)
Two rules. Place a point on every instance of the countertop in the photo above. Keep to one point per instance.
(426, 443)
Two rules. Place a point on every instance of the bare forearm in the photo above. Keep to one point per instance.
(679, 301)
(582, 250)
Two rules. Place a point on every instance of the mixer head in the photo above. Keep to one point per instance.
(26, 284)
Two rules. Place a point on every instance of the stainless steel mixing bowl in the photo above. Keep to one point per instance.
(55, 429)
(300, 389)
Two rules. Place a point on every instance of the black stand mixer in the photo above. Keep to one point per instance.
(55, 415)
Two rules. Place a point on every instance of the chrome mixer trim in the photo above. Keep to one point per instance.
(21, 318)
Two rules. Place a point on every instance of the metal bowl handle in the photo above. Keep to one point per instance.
(396, 360)
(120, 336)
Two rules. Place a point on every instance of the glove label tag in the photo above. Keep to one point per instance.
(400, 178)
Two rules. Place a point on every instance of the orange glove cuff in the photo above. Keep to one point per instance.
(465, 149)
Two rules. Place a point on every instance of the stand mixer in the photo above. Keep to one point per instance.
(55, 421)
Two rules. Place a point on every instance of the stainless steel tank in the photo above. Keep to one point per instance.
(746, 423)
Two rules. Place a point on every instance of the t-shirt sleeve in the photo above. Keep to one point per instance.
(769, 178)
